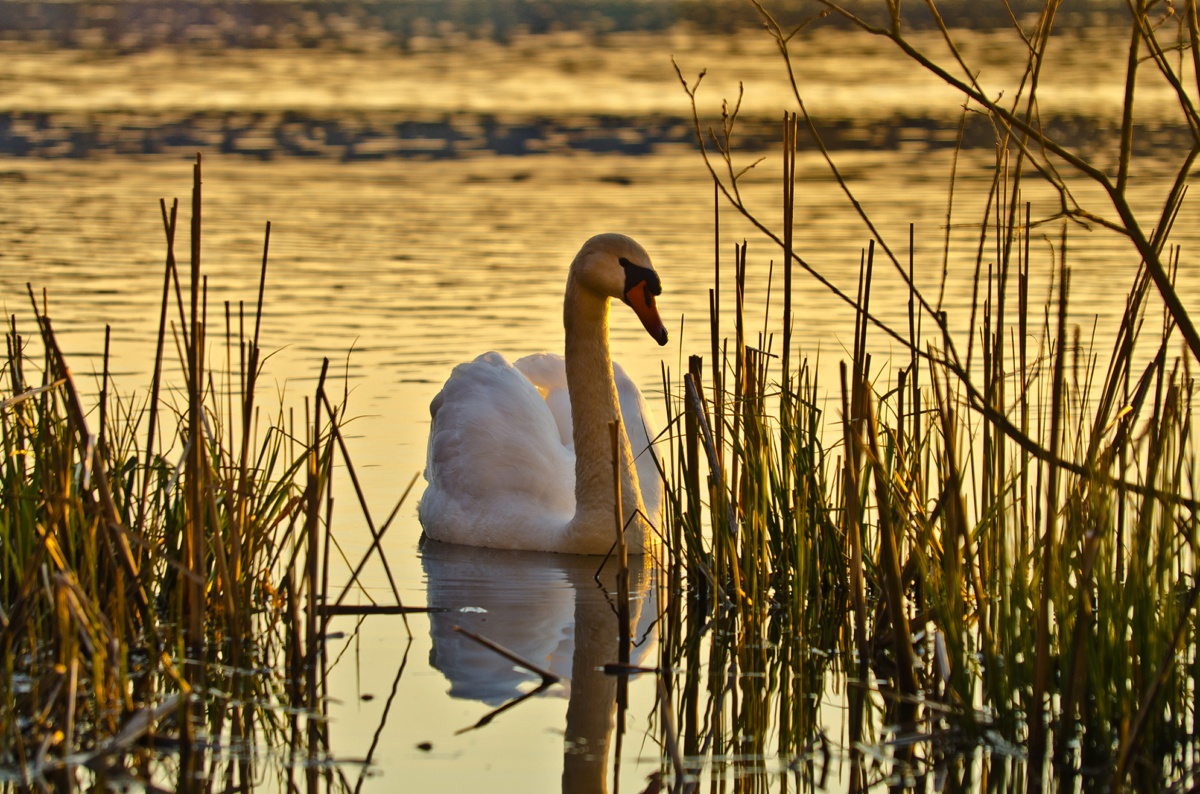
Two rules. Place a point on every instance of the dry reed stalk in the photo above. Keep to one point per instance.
(889, 561)
(852, 529)
(376, 535)
(195, 539)
(1037, 725)
(547, 676)
(624, 627)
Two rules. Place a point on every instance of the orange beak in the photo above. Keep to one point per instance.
(642, 300)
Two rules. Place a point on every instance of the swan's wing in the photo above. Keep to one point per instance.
(498, 472)
(548, 373)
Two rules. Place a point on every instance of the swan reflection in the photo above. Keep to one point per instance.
(551, 610)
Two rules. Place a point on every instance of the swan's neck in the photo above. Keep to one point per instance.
(594, 405)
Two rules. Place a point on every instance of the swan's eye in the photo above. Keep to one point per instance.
(636, 274)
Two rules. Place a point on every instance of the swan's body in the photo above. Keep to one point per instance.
(520, 456)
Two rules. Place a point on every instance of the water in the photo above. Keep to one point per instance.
(413, 235)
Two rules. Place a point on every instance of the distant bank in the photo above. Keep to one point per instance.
(381, 135)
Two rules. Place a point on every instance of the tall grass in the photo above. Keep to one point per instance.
(990, 543)
(164, 560)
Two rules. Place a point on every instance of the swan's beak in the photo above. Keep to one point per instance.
(641, 299)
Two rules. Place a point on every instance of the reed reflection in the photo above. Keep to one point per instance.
(555, 611)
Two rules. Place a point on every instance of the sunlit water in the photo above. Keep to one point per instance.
(398, 267)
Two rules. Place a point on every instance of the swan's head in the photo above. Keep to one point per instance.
(616, 266)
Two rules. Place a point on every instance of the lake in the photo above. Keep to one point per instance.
(424, 206)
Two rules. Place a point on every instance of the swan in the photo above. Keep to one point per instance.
(520, 454)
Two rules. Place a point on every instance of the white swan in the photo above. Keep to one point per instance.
(520, 456)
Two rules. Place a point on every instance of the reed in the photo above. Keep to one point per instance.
(995, 543)
(163, 560)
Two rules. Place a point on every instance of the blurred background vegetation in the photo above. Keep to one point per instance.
(408, 24)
